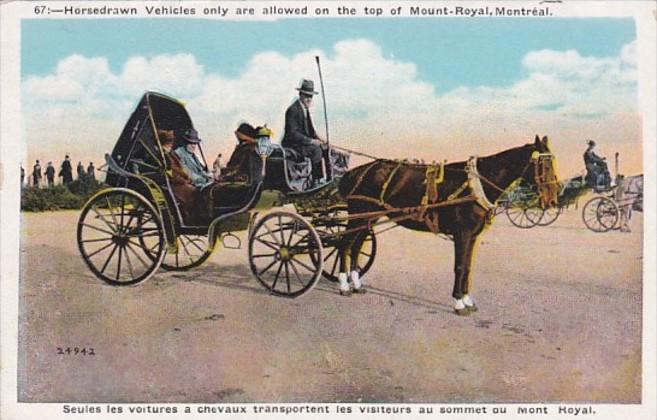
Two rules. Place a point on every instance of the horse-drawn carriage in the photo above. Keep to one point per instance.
(137, 226)
(608, 209)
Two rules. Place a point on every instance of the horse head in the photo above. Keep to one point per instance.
(542, 172)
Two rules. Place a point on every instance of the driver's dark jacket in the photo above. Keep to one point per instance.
(299, 129)
(590, 158)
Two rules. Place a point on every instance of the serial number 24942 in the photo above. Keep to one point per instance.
(74, 351)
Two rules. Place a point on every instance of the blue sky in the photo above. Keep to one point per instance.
(447, 52)
(400, 87)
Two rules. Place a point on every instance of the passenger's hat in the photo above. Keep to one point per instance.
(590, 142)
(307, 87)
(264, 132)
(191, 136)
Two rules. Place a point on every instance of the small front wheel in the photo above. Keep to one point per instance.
(192, 252)
(523, 217)
(285, 254)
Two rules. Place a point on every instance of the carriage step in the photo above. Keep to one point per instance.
(227, 241)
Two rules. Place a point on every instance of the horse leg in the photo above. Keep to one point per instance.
(467, 268)
(344, 249)
(464, 246)
(356, 248)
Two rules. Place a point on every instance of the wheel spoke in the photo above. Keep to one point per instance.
(140, 246)
(98, 229)
(128, 247)
(300, 240)
(296, 273)
(280, 224)
(191, 259)
(271, 234)
(101, 217)
(118, 270)
(335, 264)
(99, 250)
(287, 278)
(96, 240)
(109, 207)
(127, 260)
(269, 244)
(278, 273)
(200, 248)
(267, 268)
(330, 254)
(122, 210)
(102, 270)
(312, 270)
(262, 255)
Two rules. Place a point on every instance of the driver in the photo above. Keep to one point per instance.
(596, 168)
(192, 166)
(300, 133)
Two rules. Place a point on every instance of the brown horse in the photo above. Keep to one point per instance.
(454, 199)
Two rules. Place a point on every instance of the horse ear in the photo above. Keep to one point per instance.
(545, 140)
(537, 140)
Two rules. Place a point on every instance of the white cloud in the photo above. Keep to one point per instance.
(376, 103)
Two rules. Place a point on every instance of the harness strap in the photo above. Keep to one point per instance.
(474, 181)
(387, 183)
(434, 176)
(360, 178)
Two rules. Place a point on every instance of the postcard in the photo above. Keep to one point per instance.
(355, 209)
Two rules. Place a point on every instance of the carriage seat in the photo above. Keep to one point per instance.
(298, 166)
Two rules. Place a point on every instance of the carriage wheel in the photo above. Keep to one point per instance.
(331, 255)
(285, 254)
(120, 237)
(522, 217)
(192, 252)
(534, 215)
(600, 214)
(550, 215)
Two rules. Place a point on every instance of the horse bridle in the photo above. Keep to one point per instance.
(540, 160)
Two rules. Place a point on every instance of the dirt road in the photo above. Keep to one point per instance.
(559, 320)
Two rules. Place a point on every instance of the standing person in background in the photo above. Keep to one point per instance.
(81, 171)
(66, 171)
(22, 176)
(91, 172)
(216, 167)
(50, 174)
(36, 174)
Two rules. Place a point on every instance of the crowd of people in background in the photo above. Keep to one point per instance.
(36, 179)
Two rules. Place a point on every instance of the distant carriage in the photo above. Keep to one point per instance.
(611, 208)
(128, 231)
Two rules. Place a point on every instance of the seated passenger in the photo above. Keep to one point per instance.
(597, 172)
(187, 195)
(193, 167)
(241, 165)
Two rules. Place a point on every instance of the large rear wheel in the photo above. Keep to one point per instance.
(600, 214)
(550, 215)
(120, 237)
